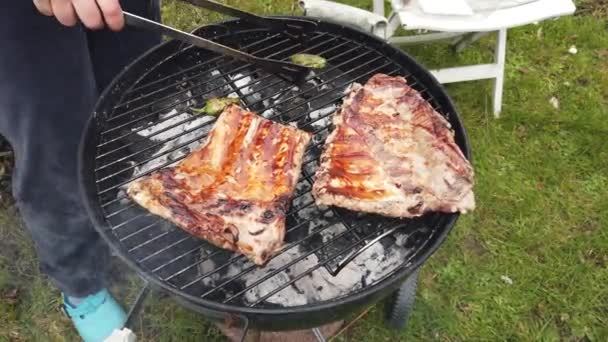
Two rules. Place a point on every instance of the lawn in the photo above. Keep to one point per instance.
(530, 263)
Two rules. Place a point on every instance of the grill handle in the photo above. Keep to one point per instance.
(296, 72)
(293, 26)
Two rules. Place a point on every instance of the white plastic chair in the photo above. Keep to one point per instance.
(468, 22)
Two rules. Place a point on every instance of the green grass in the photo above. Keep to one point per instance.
(542, 193)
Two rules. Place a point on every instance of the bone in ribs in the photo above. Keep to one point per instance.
(391, 153)
(234, 191)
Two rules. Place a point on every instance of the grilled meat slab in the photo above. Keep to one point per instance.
(235, 190)
(392, 154)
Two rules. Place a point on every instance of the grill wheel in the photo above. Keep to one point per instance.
(400, 305)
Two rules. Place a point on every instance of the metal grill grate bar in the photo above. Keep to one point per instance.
(276, 104)
(269, 47)
(150, 225)
(193, 250)
(129, 220)
(311, 269)
(327, 82)
(166, 248)
(206, 63)
(326, 103)
(185, 121)
(286, 266)
(132, 204)
(213, 60)
(156, 133)
(219, 76)
(233, 259)
(175, 229)
(119, 198)
(198, 262)
(291, 108)
(147, 242)
(253, 266)
(220, 58)
(229, 66)
(140, 230)
(189, 237)
(173, 149)
(121, 210)
(309, 78)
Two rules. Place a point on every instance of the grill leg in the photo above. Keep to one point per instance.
(251, 336)
(318, 334)
(137, 305)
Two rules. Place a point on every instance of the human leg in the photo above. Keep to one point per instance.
(47, 92)
(48, 87)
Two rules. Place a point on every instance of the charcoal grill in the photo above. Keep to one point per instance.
(144, 121)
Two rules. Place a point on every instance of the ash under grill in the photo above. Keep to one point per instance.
(329, 253)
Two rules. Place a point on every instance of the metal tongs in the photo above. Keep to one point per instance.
(297, 28)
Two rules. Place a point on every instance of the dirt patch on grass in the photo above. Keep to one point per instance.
(6, 168)
(471, 245)
(594, 8)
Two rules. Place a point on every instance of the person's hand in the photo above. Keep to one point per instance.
(94, 14)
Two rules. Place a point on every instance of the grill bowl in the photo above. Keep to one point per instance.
(123, 140)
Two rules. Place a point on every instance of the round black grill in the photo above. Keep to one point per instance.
(332, 257)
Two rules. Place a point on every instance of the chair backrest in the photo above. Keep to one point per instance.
(347, 15)
(486, 16)
(463, 7)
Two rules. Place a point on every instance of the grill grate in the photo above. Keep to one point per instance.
(153, 126)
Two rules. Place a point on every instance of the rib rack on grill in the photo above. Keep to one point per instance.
(235, 190)
(392, 154)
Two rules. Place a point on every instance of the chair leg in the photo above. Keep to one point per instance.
(379, 7)
(499, 59)
(393, 24)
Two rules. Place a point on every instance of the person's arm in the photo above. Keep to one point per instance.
(94, 14)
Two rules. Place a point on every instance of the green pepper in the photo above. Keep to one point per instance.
(308, 60)
(216, 105)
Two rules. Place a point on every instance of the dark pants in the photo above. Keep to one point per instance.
(50, 77)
